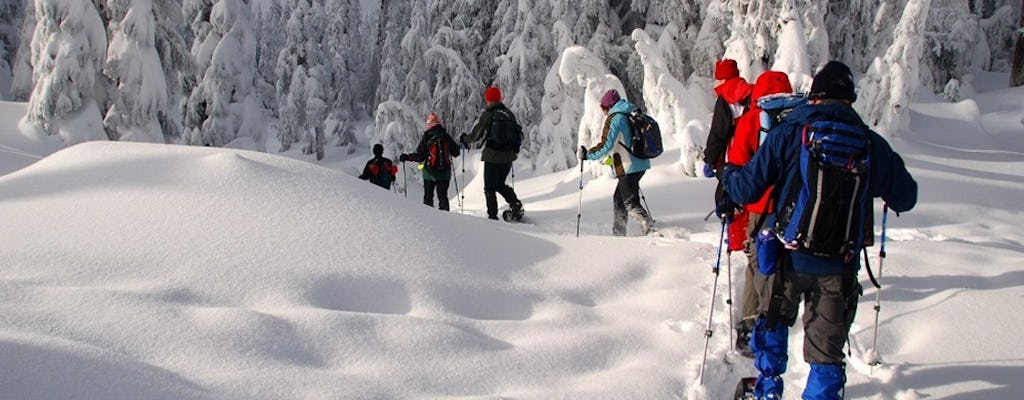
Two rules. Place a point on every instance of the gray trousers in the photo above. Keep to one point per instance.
(830, 304)
(753, 280)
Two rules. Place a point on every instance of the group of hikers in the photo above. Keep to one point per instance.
(794, 194)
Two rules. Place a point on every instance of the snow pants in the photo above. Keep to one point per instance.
(626, 203)
(830, 304)
(441, 187)
(494, 184)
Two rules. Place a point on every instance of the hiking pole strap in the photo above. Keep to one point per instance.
(778, 291)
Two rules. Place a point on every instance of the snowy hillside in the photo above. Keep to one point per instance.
(143, 271)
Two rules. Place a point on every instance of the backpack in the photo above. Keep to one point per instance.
(439, 157)
(505, 133)
(774, 108)
(825, 213)
(381, 172)
(646, 142)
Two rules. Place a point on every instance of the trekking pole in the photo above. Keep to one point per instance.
(878, 290)
(458, 191)
(714, 289)
(405, 178)
(462, 196)
(649, 213)
(579, 207)
(728, 300)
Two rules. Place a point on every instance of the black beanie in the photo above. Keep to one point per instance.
(378, 149)
(833, 81)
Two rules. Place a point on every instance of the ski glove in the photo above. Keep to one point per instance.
(726, 207)
(709, 171)
(582, 153)
(463, 141)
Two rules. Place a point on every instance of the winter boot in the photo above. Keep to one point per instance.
(743, 331)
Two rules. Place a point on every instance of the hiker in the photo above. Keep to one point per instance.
(435, 152)
(379, 170)
(626, 168)
(741, 149)
(815, 258)
(501, 137)
(733, 99)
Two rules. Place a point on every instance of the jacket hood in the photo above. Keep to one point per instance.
(622, 106)
(734, 90)
(771, 82)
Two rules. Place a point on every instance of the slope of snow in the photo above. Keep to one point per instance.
(148, 271)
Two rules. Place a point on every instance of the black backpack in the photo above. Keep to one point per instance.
(505, 134)
(826, 213)
(646, 143)
(439, 156)
(380, 172)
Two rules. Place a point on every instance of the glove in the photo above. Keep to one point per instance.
(403, 157)
(709, 171)
(726, 207)
(582, 153)
(726, 171)
(463, 140)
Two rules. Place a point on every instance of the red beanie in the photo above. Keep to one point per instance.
(432, 121)
(725, 69)
(492, 94)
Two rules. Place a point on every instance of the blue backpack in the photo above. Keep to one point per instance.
(825, 214)
(774, 108)
(646, 142)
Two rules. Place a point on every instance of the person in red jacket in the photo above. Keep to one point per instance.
(741, 150)
(733, 99)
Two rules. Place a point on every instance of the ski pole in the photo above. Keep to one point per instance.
(458, 191)
(728, 275)
(878, 291)
(649, 214)
(579, 207)
(711, 313)
(405, 178)
(462, 196)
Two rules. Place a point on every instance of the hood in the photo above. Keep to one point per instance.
(734, 90)
(828, 111)
(622, 106)
(771, 82)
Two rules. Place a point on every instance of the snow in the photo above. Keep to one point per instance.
(149, 271)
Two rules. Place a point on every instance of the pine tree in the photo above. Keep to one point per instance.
(10, 27)
(67, 53)
(21, 67)
(223, 107)
(1017, 69)
(140, 85)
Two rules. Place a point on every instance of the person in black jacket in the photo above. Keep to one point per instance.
(379, 170)
(497, 158)
(733, 98)
(435, 151)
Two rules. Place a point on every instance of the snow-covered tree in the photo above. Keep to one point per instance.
(21, 63)
(348, 51)
(671, 103)
(10, 28)
(135, 69)
(223, 107)
(892, 80)
(583, 69)
(303, 79)
(1017, 69)
(955, 39)
(67, 53)
(791, 54)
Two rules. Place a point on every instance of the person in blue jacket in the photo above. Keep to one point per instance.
(829, 285)
(625, 167)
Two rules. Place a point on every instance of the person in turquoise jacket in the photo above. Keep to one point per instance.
(626, 168)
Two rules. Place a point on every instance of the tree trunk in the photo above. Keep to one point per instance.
(1017, 70)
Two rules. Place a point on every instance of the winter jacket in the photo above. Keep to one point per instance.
(379, 170)
(776, 162)
(422, 153)
(733, 98)
(481, 131)
(613, 141)
(748, 127)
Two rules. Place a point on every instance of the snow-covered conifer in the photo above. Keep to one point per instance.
(140, 85)
(67, 53)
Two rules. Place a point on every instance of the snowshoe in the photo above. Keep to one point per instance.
(515, 213)
(745, 388)
(743, 333)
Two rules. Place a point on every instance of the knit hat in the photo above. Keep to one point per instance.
(833, 81)
(492, 94)
(432, 121)
(378, 149)
(609, 99)
(726, 68)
